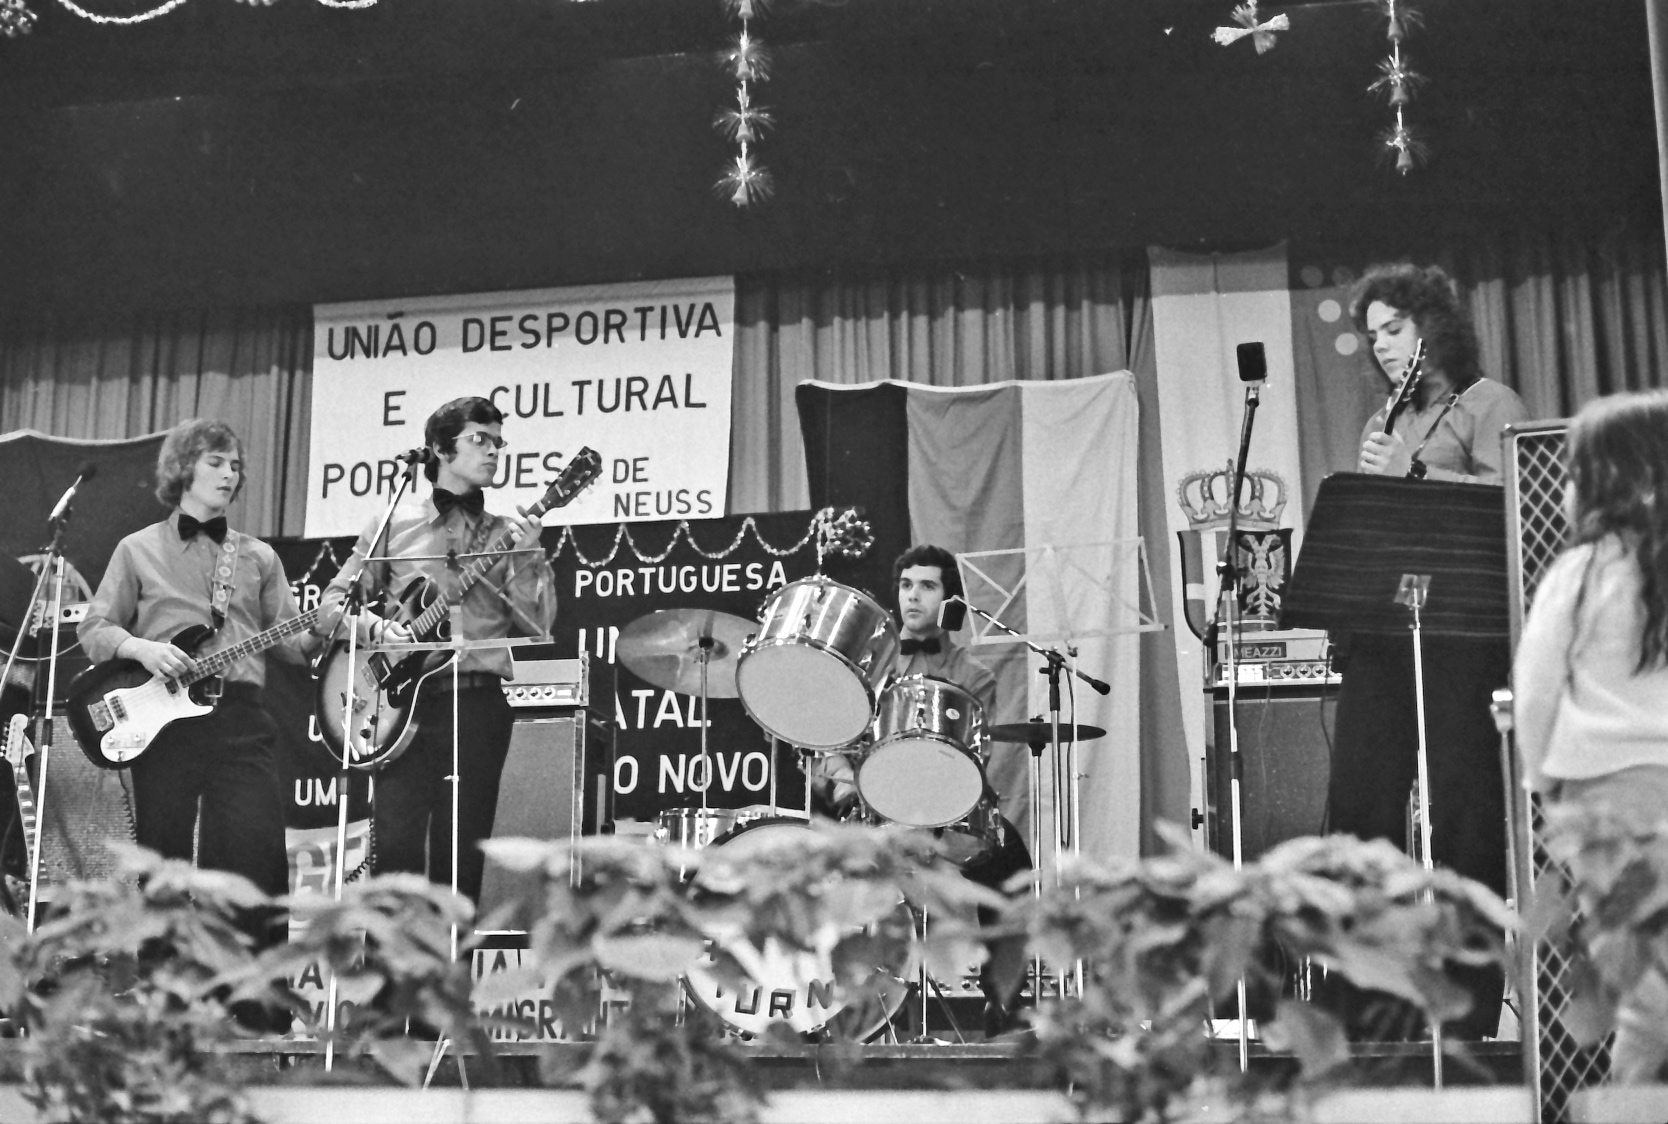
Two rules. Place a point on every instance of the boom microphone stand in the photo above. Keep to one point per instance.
(1055, 663)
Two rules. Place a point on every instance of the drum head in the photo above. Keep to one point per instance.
(920, 782)
(806, 696)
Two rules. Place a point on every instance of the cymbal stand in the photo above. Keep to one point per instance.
(705, 658)
(1413, 592)
(1065, 819)
(353, 604)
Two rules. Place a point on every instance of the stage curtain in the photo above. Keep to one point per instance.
(145, 372)
(965, 324)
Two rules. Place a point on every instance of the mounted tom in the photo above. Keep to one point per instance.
(386, 686)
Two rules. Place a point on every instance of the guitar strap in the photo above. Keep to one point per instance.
(225, 578)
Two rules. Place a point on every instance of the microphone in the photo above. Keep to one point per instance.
(1253, 362)
(952, 613)
(83, 474)
(420, 455)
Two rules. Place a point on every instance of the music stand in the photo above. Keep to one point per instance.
(1383, 555)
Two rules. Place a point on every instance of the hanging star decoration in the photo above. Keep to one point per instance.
(1397, 81)
(1251, 23)
(745, 181)
(15, 18)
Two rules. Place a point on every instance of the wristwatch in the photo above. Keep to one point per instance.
(1416, 469)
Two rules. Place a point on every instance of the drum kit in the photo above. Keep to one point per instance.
(816, 671)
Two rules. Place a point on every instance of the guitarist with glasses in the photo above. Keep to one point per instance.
(411, 812)
(191, 570)
(1443, 422)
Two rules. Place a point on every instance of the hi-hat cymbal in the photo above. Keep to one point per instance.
(1027, 733)
(664, 648)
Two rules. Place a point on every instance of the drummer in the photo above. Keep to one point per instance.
(924, 577)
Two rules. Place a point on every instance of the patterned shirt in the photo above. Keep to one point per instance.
(510, 600)
(157, 585)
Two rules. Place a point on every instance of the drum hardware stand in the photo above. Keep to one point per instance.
(929, 989)
(52, 564)
(1413, 592)
(1066, 819)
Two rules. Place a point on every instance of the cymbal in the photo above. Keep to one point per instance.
(664, 648)
(1028, 732)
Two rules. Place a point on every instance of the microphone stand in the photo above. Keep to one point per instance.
(1228, 571)
(52, 564)
(1055, 663)
(353, 604)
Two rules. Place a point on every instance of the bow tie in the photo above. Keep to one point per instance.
(473, 503)
(930, 646)
(215, 528)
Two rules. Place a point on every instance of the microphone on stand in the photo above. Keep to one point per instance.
(952, 613)
(1253, 362)
(83, 474)
(420, 455)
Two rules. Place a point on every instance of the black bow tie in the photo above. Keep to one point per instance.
(473, 503)
(929, 646)
(215, 528)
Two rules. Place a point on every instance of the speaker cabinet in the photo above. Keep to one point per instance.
(1286, 762)
(555, 786)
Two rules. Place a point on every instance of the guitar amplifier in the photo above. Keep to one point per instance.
(550, 684)
(1296, 655)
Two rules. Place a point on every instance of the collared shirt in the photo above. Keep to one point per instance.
(158, 585)
(952, 663)
(510, 600)
(1462, 443)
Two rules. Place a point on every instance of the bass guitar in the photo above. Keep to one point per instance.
(385, 685)
(117, 708)
(17, 749)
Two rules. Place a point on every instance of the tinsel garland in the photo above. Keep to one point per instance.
(1397, 81)
(745, 180)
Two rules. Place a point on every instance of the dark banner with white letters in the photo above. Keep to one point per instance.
(606, 577)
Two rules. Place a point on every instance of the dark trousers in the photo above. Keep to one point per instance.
(411, 817)
(225, 762)
(1375, 762)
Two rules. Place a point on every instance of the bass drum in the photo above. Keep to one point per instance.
(810, 674)
(790, 986)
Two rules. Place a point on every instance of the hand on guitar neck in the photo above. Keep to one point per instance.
(1385, 453)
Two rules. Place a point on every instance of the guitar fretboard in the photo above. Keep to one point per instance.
(216, 662)
(20, 777)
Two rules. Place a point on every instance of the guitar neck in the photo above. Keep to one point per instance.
(216, 662)
(20, 778)
(470, 573)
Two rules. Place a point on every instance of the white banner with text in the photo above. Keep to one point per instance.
(640, 372)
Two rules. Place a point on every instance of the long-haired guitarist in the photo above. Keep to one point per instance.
(190, 570)
(411, 815)
(1449, 430)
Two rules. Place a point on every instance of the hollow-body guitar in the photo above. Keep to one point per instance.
(385, 686)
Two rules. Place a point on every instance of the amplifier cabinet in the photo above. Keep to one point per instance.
(1285, 733)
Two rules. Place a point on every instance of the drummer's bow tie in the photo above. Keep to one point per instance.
(214, 528)
(473, 503)
(930, 646)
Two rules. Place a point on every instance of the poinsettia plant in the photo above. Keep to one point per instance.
(1165, 940)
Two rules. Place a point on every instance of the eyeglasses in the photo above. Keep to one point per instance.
(480, 438)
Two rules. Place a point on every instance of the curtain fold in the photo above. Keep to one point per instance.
(251, 368)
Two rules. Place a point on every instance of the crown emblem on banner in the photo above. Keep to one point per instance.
(1204, 495)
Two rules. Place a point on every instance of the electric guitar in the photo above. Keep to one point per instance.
(1403, 396)
(385, 686)
(16, 749)
(117, 708)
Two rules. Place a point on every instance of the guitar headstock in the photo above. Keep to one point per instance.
(579, 473)
(1411, 378)
(17, 742)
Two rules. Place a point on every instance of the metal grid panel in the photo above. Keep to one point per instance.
(1535, 509)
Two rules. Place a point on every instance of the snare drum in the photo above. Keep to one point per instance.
(926, 767)
(791, 986)
(811, 672)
